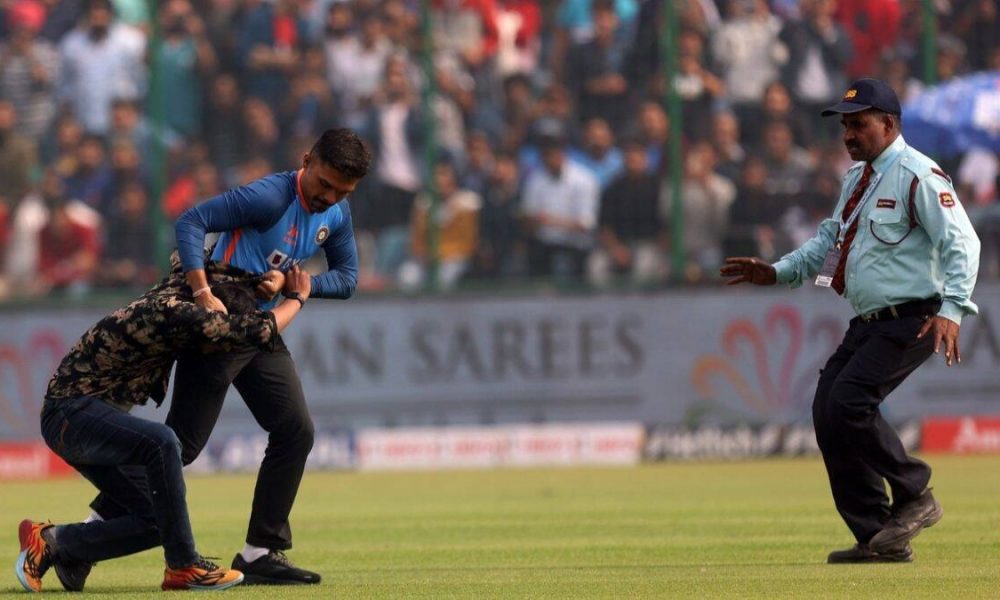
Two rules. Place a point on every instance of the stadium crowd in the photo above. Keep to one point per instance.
(548, 114)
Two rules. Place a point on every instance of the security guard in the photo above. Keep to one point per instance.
(901, 249)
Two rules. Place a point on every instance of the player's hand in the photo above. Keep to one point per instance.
(298, 280)
(745, 269)
(943, 330)
(209, 301)
(271, 283)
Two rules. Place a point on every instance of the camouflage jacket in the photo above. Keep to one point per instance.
(125, 359)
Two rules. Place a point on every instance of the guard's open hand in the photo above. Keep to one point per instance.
(745, 269)
(944, 330)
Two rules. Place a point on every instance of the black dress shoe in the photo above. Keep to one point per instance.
(862, 553)
(274, 568)
(907, 521)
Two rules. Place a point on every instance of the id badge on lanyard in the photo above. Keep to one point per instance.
(829, 268)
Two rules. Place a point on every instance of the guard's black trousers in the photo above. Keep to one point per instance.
(859, 447)
(271, 389)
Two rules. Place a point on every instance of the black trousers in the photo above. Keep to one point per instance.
(270, 387)
(860, 449)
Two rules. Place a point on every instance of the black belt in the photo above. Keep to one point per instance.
(913, 308)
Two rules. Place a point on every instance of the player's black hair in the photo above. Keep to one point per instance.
(343, 150)
(238, 297)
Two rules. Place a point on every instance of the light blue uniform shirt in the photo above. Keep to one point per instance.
(889, 264)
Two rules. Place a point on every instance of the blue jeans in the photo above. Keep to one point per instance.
(137, 464)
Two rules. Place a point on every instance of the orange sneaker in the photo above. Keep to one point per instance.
(35, 557)
(201, 575)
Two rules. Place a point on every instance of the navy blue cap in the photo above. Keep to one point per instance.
(864, 94)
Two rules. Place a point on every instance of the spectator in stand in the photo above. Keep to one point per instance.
(467, 30)
(575, 24)
(560, 205)
(29, 69)
(457, 221)
(395, 133)
(597, 68)
(654, 131)
(309, 107)
(516, 112)
(553, 114)
(819, 51)
(60, 152)
(518, 36)
(978, 24)
(453, 103)
(261, 133)
(698, 88)
(479, 163)
(402, 25)
(355, 61)
(752, 214)
(778, 106)
(126, 167)
(789, 167)
(726, 142)
(102, 59)
(598, 153)
(91, 181)
(129, 124)
(873, 26)
(224, 123)
(951, 57)
(706, 199)
(128, 260)
(18, 158)
(629, 228)
(69, 246)
(270, 40)
(200, 182)
(183, 59)
(747, 43)
(500, 253)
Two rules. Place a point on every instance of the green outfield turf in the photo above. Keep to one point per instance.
(684, 530)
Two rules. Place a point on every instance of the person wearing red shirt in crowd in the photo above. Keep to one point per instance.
(873, 26)
(69, 245)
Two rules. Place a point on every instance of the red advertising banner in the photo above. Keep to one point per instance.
(30, 460)
(961, 435)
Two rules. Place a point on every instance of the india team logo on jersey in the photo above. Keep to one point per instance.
(322, 234)
(277, 260)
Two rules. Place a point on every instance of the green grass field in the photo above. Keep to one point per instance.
(757, 529)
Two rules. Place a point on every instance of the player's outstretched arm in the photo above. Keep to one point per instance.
(740, 269)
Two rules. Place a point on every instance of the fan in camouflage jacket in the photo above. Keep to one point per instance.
(125, 359)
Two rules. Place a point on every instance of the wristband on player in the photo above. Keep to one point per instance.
(296, 296)
(201, 291)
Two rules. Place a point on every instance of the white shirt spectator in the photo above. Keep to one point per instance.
(749, 45)
(572, 196)
(96, 72)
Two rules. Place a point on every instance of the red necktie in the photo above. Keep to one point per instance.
(852, 203)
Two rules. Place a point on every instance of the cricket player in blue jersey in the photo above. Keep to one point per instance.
(273, 223)
(900, 248)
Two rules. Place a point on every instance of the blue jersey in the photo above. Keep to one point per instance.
(267, 225)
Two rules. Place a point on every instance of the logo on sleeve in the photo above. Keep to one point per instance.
(322, 234)
(947, 200)
(885, 203)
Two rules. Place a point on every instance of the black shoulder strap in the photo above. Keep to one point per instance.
(913, 204)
